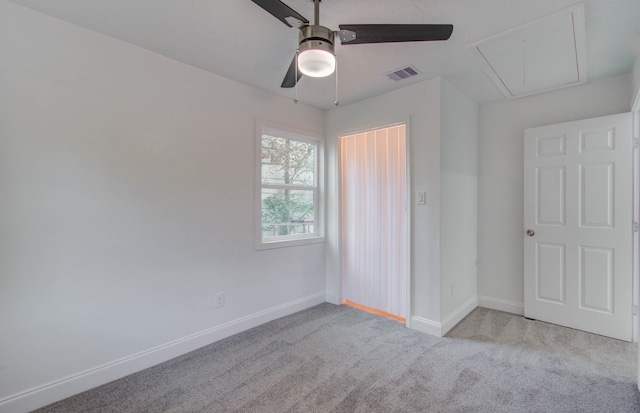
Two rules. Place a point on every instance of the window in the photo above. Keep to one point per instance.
(288, 165)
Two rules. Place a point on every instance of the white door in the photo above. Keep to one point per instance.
(578, 225)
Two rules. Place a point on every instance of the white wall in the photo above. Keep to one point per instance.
(127, 184)
(459, 206)
(421, 103)
(443, 151)
(500, 248)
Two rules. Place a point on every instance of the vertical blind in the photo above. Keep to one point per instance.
(374, 218)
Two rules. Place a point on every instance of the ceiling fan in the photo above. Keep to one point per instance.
(315, 56)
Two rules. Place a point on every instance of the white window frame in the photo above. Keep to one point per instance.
(286, 132)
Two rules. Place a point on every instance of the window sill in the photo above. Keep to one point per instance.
(261, 245)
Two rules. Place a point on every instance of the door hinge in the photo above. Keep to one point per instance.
(635, 143)
(636, 227)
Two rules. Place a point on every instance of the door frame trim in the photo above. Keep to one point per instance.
(635, 266)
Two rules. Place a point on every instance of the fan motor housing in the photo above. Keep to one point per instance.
(316, 37)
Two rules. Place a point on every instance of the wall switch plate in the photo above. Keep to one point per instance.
(634, 309)
(422, 198)
(219, 301)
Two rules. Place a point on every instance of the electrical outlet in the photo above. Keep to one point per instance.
(219, 302)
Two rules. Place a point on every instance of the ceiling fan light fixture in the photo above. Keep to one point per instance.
(316, 62)
(316, 57)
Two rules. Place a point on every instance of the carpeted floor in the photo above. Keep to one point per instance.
(339, 359)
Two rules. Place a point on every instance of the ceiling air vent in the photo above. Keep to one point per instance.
(403, 73)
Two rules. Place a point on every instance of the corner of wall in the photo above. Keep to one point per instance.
(332, 297)
(459, 205)
(427, 326)
(459, 314)
(501, 305)
(439, 329)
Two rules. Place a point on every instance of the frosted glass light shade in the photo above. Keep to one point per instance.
(316, 62)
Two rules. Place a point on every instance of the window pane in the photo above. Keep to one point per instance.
(287, 213)
(286, 161)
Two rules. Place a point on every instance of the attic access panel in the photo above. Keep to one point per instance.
(545, 54)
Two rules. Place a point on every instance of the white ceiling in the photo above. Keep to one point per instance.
(239, 40)
(546, 54)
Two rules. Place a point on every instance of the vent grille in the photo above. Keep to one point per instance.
(403, 73)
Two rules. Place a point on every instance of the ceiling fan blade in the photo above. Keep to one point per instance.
(281, 11)
(391, 33)
(290, 78)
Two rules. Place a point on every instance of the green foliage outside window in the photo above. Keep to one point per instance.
(288, 186)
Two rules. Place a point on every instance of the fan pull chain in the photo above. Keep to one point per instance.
(296, 79)
(336, 102)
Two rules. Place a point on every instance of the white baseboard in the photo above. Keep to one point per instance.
(332, 298)
(438, 329)
(425, 325)
(68, 386)
(501, 305)
(461, 312)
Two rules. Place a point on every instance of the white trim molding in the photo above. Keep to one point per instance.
(501, 305)
(332, 298)
(426, 326)
(635, 78)
(76, 383)
(461, 312)
(439, 329)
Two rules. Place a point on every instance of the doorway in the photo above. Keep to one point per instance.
(375, 223)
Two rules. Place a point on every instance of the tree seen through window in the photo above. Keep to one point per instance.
(288, 187)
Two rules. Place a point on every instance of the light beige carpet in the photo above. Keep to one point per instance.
(339, 359)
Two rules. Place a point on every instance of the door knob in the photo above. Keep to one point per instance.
(531, 232)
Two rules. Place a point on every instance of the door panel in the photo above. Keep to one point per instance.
(596, 279)
(550, 272)
(597, 201)
(578, 206)
(550, 194)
